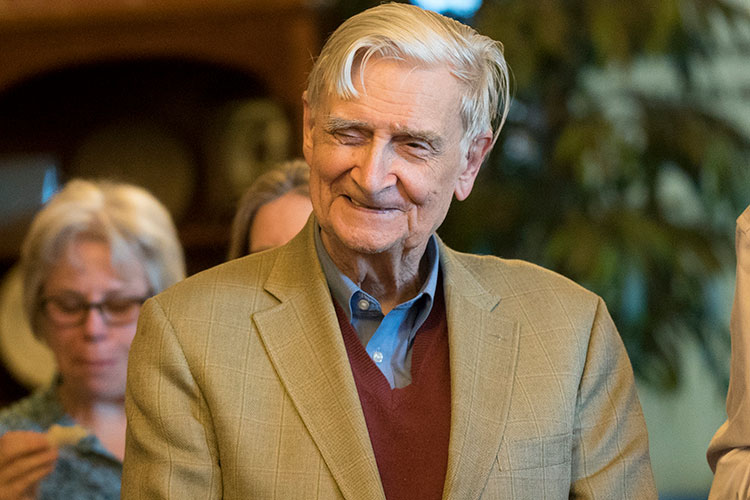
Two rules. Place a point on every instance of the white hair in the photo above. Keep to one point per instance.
(407, 32)
(135, 225)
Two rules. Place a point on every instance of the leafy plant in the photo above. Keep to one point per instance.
(616, 168)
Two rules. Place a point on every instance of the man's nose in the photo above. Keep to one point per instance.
(373, 171)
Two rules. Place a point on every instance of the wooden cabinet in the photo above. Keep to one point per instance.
(273, 39)
(70, 70)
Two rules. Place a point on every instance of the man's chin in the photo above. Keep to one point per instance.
(366, 242)
(369, 247)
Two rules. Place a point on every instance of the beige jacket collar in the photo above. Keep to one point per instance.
(303, 341)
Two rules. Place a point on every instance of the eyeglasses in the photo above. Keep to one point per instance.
(73, 310)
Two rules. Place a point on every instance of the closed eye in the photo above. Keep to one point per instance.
(418, 145)
(418, 148)
(346, 132)
(121, 305)
(70, 306)
(67, 302)
(348, 136)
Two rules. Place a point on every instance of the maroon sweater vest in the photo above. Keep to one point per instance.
(409, 427)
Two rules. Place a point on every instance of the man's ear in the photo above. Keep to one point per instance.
(308, 123)
(477, 151)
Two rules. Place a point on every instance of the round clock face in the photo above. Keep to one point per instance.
(247, 138)
(29, 360)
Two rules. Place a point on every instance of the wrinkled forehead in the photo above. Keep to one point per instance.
(341, 81)
(355, 84)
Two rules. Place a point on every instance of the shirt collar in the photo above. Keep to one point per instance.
(343, 289)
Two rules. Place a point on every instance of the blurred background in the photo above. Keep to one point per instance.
(625, 161)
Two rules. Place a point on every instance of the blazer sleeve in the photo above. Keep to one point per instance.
(170, 451)
(729, 451)
(610, 441)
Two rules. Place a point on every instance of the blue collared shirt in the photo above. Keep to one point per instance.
(388, 339)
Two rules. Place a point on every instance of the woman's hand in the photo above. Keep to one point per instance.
(25, 459)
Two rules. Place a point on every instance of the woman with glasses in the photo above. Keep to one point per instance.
(92, 256)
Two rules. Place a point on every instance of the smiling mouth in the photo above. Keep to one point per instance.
(369, 207)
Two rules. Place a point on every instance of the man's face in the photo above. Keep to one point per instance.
(385, 166)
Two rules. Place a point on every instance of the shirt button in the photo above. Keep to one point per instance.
(363, 304)
(377, 356)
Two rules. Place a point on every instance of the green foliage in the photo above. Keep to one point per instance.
(629, 190)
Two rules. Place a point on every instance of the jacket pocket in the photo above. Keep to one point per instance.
(535, 453)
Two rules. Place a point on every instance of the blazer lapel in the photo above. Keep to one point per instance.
(303, 341)
(483, 355)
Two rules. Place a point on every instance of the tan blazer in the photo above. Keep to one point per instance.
(239, 387)
(729, 451)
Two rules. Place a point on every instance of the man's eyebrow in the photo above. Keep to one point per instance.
(338, 123)
(434, 140)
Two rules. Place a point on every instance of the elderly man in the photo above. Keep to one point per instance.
(365, 359)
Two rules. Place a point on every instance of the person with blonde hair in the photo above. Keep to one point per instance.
(93, 254)
(273, 209)
(365, 359)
